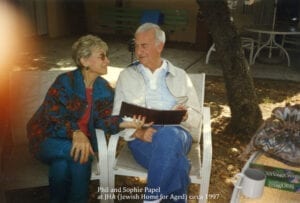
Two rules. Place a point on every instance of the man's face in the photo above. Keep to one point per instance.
(147, 50)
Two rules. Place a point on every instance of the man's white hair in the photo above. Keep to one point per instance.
(160, 35)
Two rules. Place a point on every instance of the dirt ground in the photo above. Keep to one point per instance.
(227, 147)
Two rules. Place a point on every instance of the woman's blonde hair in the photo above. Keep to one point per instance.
(84, 46)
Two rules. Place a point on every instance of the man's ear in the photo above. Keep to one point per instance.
(160, 46)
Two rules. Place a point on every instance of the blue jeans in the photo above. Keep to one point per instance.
(68, 180)
(166, 160)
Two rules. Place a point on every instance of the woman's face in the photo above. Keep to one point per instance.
(97, 62)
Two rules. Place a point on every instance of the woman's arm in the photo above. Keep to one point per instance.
(62, 109)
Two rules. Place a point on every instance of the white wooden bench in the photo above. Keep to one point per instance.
(124, 164)
(21, 169)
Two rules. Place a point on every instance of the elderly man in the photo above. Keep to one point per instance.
(154, 82)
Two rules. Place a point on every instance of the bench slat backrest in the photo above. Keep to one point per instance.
(128, 19)
(119, 18)
(198, 80)
(174, 20)
(27, 92)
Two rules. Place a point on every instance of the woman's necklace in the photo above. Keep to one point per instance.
(88, 84)
(87, 81)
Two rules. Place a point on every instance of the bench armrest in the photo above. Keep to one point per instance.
(207, 152)
(112, 149)
(102, 156)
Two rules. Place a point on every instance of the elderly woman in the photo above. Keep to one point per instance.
(62, 131)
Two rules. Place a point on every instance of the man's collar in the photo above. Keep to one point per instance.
(170, 67)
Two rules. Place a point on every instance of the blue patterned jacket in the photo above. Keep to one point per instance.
(64, 105)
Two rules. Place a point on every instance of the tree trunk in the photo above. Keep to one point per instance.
(246, 115)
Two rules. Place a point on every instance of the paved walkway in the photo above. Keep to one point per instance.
(56, 53)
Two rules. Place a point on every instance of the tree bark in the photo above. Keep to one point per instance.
(246, 115)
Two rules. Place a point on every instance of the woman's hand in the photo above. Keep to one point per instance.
(136, 122)
(81, 147)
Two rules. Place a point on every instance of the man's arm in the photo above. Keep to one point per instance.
(127, 134)
(193, 106)
(119, 96)
(144, 134)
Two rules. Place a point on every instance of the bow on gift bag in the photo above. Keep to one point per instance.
(279, 136)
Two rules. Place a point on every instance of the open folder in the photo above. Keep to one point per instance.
(161, 117)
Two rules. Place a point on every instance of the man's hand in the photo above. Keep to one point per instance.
(182, 107)
(81, 147)
(145, 134)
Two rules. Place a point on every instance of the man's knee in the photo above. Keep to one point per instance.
(170, 135)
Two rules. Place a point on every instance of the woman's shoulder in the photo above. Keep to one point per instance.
(66, 77)
(102, 86)
(100, 81)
